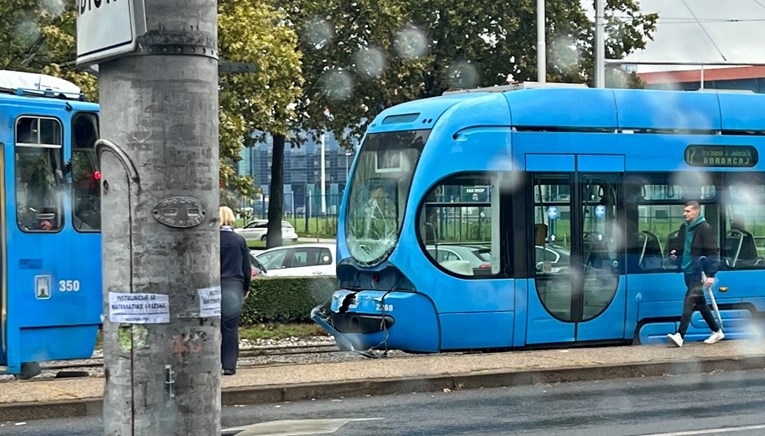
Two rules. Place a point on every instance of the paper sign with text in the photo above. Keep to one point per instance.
(139, 308)
(209, 302)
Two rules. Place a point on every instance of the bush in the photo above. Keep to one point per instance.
(286, 299)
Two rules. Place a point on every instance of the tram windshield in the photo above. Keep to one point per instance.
(379, 191)
(39, 173)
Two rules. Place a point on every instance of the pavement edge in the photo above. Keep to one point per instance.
(387, 386)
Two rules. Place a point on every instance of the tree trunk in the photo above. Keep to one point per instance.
(276, 200)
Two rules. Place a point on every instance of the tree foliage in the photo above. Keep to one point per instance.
(253, 32)
(361, 57)
(357, 59)
(39, 36)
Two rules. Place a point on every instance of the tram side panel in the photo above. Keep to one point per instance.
(54, 296)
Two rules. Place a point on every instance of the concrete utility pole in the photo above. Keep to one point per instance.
(159, 160)
(600, 44)
(541, 45)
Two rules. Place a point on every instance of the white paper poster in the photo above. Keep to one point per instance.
(209, 302)
(139, 308)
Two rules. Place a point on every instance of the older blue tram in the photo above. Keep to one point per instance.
(50, 242)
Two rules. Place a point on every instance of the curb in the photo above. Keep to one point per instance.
(388, 386)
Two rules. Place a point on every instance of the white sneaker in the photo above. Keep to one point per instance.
(676, 339)
(715, 337)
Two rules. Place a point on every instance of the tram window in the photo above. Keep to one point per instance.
(39, 174)
(86, 198)
(744, 242)
(459, 225)
(660, 201)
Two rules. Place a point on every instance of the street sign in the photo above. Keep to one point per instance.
(108, 28)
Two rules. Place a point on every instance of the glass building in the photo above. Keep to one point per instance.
(302, 175)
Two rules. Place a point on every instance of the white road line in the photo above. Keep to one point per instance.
(711, 430)
(292, 427)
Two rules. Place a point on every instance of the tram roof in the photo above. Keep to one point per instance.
(22, 83)
(579, 108)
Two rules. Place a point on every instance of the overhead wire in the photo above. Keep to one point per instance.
(705, 31)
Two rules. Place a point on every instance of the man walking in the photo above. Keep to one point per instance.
(698, 243)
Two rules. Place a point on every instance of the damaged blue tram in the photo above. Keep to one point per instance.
(498, 219)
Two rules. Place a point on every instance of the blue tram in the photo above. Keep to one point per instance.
(542, 217)
(50, 244)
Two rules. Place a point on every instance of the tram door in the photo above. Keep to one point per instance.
(577, 291)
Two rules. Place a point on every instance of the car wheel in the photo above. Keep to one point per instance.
(263, 238)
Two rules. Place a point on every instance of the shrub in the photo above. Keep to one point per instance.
(286, 299)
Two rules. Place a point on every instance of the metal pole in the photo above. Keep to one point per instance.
(600, 45)
(159, 160)
(323, 176)
(541, 46)
(347, 153)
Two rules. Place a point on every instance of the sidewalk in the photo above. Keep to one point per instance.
(30, 399)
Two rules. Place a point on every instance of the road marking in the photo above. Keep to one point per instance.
(293, 427)
(710, 430)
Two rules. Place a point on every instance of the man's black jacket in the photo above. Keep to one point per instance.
(704, 251)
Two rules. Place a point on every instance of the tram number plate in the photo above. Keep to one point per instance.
(384, 307)
(69, 285)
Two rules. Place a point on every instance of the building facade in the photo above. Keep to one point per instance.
(749, 78)
(302, 175)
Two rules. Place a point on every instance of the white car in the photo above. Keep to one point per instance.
(299, 260)
(257, 230)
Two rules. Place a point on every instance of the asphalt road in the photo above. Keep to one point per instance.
(721, 403)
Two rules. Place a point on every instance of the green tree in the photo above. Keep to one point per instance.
(360, 61)
(39, 36)
(253, 32)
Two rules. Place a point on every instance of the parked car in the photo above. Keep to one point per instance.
(257, 230)
(479, 257)
(299, 260)
(552, 258)
(257, 267)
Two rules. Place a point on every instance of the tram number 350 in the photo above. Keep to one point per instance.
(69, 285)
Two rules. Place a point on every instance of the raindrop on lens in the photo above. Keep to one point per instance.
(463, 75)
(54, 7)
(337, 85)
(27, 31)
(318, 33)
(370, 62)
(410, 43)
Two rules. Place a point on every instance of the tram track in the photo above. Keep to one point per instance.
(267, 353)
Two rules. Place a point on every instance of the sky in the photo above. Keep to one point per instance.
(730, 31)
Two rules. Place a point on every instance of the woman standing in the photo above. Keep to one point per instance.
(235, 270)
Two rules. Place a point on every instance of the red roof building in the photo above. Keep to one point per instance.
(739, 78)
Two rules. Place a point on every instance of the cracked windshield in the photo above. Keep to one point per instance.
(379, 192)
(382, 217)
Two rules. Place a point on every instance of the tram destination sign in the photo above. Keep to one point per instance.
(744, 156)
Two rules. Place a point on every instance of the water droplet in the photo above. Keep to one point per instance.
(337, 85)
(410, 43)
(318, 33)
(370, 62)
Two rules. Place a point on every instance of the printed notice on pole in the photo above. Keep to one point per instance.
(139, 308)
(209, 302)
